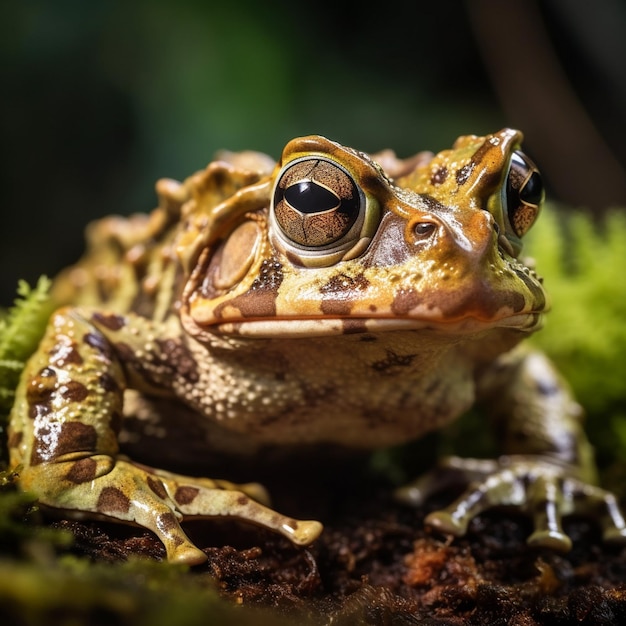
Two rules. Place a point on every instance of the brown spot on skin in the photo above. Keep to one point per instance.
(110, 321)
(108, 383)
(75, 437)
(464, 173)
(404, 301)
(82, 471)
(178, 356)
(243, 500)
(116, 422)
(439, 175)
(260, 300)
(393, 361)
(112, 500)
(336, 307)
(157, 487)
(62, 355)
(432, 204)
(15, 438)
(125, 353)
(353, 326)
(128, 357)
(342, 283)
(53, 441)
(186, 495)
(270, 276)
(40, 389)
(518, 302)
(39, 410)
(167, 522)
(74, 391)
(99, 342)
(368, 338)
(340, 291)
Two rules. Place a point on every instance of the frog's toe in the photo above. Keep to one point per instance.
(195, 501)
(540, 487)
(547, 501)
(305, 532)
(186, 554)
(501, 488)
(451, 472)
(603, 505)
(447, 523)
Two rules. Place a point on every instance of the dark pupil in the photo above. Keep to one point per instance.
(532, 190)
(309, 197)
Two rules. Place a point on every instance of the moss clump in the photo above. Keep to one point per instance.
(583, 263)
(21, 328)
(139, 592)
(584, 267)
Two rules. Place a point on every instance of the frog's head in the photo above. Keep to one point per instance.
(329, 243)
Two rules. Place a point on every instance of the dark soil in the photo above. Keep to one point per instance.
(377, 564)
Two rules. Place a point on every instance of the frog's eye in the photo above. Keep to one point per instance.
(523, 193)
(316, 203)
(319, 214)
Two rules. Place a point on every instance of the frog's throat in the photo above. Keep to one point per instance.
(318, 327)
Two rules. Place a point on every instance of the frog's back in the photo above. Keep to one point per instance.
(134, 263)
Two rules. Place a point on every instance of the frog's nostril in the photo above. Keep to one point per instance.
(421, 230)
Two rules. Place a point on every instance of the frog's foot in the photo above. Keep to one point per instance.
(540, 487)
(120, 490)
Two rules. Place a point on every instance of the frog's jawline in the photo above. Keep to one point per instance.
(268, 328)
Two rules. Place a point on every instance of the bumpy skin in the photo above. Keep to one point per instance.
(331, 298)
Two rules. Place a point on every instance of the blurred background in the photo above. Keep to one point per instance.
(102, 98)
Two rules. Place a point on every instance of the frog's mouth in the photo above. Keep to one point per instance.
(301, 328)
(234, 324)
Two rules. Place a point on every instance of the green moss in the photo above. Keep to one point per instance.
(584, 267)
(21, 328)
(583, 263)
(139, 592)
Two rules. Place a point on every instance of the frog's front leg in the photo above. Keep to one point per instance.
(548, 469)
(63, 433)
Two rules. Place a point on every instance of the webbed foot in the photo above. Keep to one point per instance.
(538, 486)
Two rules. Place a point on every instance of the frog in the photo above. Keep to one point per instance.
(334, 297)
